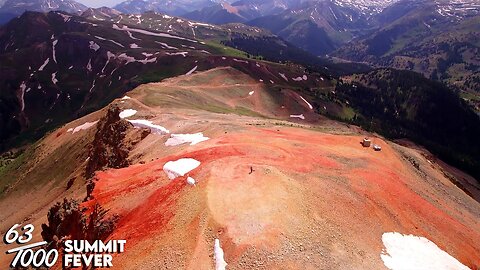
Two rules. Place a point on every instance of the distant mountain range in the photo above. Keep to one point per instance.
(13, 8)
(439, 39)
(173, 8)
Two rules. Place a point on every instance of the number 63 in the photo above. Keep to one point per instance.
(12, 234)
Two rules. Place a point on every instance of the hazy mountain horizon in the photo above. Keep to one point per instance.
(100, 3)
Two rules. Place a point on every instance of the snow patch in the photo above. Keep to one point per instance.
(414, 252)
(23, 86)
(145, 32)
(126, 58)
(146, 60)
(191, 71)
(184, 54)
(300, 116)
(308, 104)
(66, 18)
(178, 168)
(44, 64)
(54, 78)
(283, 76)
(131, 36)
(54, 43)
(113, 41)
(93, 85)
(127, 113)
(94, 46)
(166, 46)
(89, 65)
(220, 263)
(155, 129)
(134, 46)
(178, 139)
(191, 181)
(240, 61)
(300, 78)
(85, 126)
(130, 59)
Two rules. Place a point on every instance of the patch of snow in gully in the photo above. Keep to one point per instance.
(220, 263)
(283, 76)
(54, 54)
(54, 78)
(308, 104)
(191, 71)
(145, 32)
(23, 86)
(44, 64)
(166, 45)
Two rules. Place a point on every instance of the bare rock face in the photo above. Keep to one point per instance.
(69, 220)
(64, 219)
(113, 141)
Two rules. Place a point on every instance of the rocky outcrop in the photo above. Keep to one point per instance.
(65, 218)
(69, 220)
(113, 141)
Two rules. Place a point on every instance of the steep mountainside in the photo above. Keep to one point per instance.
(437, 39)
(73, 65)
(14, 8)
(220, 14)
(403, 104)
(232, 166)
(318, 28)
(321, 27)
(256, 42)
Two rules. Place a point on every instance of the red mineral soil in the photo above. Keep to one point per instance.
(277, 194)
(314, 200)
